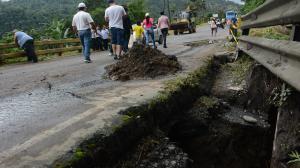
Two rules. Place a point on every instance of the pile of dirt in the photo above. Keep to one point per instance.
(142, 62)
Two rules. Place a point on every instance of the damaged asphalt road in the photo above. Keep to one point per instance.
(47, 108)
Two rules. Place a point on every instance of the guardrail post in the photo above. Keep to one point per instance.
(245, 32)
(295, 35)
(60, 46)
(1, 57)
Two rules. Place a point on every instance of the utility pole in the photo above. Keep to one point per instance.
(169, 9)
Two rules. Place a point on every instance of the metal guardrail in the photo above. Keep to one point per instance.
(281, 57)
(57, 46)
(273, 12)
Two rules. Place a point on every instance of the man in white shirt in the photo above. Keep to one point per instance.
(82, 24)
(114, 15)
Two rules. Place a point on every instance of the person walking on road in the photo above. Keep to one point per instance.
(164, 24)
(114, 15)
(127, 29)
(214, 27)
(26, 42)
(149, 31)
(82, 24)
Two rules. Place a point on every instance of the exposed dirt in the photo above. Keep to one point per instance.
(143, 62)
(157, 151)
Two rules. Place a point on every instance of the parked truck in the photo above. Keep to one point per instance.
(184, 22)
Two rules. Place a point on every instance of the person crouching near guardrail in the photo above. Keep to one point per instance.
(26, 42)
(82, 24)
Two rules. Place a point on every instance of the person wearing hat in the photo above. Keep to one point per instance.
(149, 31)
(163, 24)
(114, 15)
(82, 24)
(25, 42)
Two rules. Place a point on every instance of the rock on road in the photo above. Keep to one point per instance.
(47, 108)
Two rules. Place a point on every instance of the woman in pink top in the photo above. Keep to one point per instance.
(148, 26)
(163, 24)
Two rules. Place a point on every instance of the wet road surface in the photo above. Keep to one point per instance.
(46, 108)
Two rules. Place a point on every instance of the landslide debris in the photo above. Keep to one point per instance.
(142, 62)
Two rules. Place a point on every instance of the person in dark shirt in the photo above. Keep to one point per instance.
(127, 29)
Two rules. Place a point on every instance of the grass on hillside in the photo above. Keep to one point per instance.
(274, 32)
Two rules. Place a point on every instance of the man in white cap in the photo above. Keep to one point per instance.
(114, 15)
(82, 24)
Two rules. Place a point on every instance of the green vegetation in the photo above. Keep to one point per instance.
(49, 19)
(208, 102)
(239, 69)
(250, 5)
(34, 14)
(295, 157)
(275, 32)
(137, 10)
(280, 95)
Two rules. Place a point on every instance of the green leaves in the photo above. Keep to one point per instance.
(250, 5)
(136, 10)
(295, 157)
(34, 14)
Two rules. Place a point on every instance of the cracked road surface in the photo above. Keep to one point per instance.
(49, 107)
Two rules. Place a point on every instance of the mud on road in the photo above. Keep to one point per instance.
(143, 62)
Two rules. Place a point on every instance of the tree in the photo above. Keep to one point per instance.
(250, 5)
(97, 10)
(136, 10)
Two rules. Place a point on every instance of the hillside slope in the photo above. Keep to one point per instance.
(28, 14)
(36, 14)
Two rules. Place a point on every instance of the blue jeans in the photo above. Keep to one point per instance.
(85, 38)
(150, 32)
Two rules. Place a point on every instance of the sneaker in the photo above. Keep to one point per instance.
(115, 57)
(165, 47)
(110, 54)
(87, 61)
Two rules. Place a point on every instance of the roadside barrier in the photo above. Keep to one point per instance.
(42, 48)
(281, 57)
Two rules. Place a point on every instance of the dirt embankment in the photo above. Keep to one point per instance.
(143, 62)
